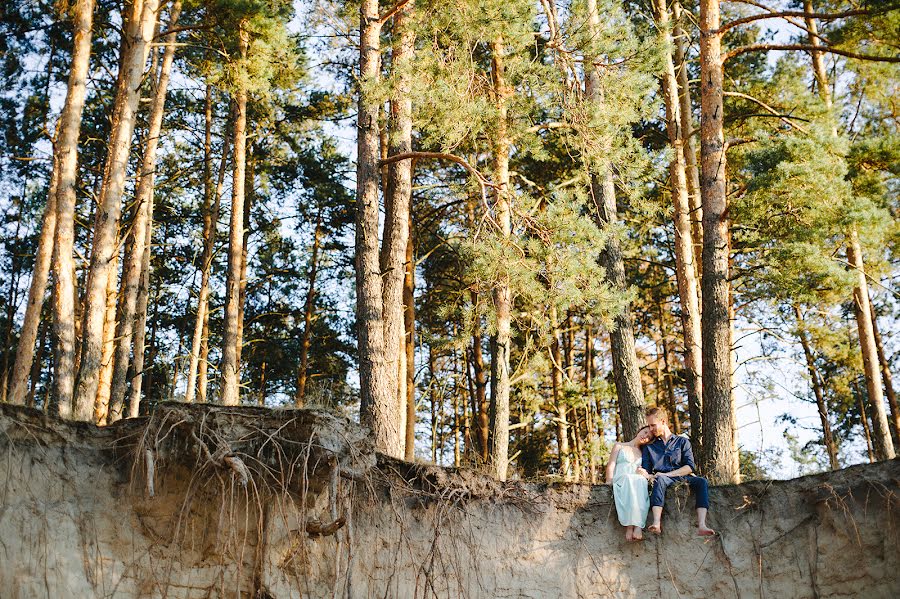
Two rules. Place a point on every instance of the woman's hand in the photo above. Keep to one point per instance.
(644, 473)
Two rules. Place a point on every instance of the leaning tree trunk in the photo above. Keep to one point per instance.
(66, 161)
(626, 373)
(886, 375)
(398, 192)
(881, 434)
(685, 263)
(229, 361)
(34, 308)
(502, 294)
(818, 391)
(377, 402)
(109, 206)
(719, 450)
(131, 274)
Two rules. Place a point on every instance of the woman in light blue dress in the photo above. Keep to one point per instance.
(630, 489)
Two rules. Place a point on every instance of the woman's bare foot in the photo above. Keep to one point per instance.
(629, 535)
(703, 531)
(637, 535)
(655, 529)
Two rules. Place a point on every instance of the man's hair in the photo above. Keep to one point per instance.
(658, 412)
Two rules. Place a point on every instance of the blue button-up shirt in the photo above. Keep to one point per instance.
(660, 456)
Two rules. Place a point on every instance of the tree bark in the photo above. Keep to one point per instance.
(864, 420)
(249, 200)
(104, 381)
(139, 31)
(140, 326)
(818, 391)
(229, 364)
(719, 450)
(624, 356)
(688, 147)
(398, 192)
(881, 434)
(29, 333)
(502, 294)
(886, 375)
(377, 402)
(685, 256)
(199, 367)
(308, 309)
(559, 406)
(66, 161)
(409, 322)
(131, 275)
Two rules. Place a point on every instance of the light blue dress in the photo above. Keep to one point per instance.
(630, 490)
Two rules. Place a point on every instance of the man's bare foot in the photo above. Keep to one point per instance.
(655, 529)
(637, 535)
(705, 532)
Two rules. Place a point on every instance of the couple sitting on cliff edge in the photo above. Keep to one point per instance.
(656, 456)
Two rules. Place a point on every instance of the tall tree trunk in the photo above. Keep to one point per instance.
(480, 409)
(886, 375)
(685, 263)
(36, 363)
(66, 161)
(377, 397)
(818, 391)
(131, 274)
(140, 325)
(409, 323)
(864, 420)
(818, 61)
(308, 309)
(249, 200)
(229, 362)
(719, 449)
(559, 406)
(398, 193)
(139, 31)
(104, 382)
(199, 367)
(33, 310)
(687, 132)
(626, 373)
(502, 294)
(881, 434)
(671, 402)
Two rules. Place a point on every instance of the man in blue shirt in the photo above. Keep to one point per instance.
(666, 460)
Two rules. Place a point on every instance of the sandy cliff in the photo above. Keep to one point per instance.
(215, 502)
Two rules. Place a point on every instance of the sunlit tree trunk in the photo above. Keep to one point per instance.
(719, 450)
(229, 364)
(502, 294)
(409, 323)
(139, 29)
(34, 308)
(818, 391)
(66, 161)
(886, 375)
(881, 434)
(685, 263)
(131, 273)
(140, 324)
(104, 382)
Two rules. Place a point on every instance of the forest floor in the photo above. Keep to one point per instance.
(208, 501)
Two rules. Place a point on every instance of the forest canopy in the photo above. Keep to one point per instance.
(494, 232)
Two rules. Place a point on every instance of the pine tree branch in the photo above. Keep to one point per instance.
(397, 8)
(807, 48)
(783, 117)
(791, 14)
(437, 156)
